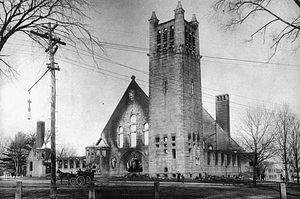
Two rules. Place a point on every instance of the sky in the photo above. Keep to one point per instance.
(87, 93)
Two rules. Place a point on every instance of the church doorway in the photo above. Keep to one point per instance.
(133, 161)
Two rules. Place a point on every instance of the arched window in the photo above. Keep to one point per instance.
(133, 131)
(121, 137)
(146, 133)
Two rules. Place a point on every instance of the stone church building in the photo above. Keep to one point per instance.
(169, 131)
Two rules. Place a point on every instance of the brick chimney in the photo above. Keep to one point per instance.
(40, 134)
(222, 112)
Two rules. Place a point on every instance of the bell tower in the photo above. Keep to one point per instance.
(175, 110)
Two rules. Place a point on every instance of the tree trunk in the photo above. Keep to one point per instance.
(297, 170)
(254, 174)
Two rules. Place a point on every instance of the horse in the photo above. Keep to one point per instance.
(64, 175)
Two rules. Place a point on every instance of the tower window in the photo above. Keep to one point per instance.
(208, 158)
(158, 40)
(173, 138)
(193, 41)
(197, 160)
(165, 151)
(174, 153)
(165, 35)
(186, 36)
(165, 138)
(157, 139)
(172, 37)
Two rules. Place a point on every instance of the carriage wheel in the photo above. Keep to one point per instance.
(80, 180)
(88, 179)
(73, 181)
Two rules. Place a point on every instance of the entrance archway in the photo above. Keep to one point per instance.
(133, 161)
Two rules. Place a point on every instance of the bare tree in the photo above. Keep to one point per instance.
(237, 12)
(284, 121)
(66, 150)
(23, 16)
(294, 144)
(257, 136)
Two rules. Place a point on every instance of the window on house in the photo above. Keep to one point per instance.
(121, 137)
(133, 131)
(59, 164)
(174, 153)
(165, 151)
(146, 134)
(30, 166)
(190, 153)
(83, 164)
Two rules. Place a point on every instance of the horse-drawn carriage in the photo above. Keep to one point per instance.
(80, 178)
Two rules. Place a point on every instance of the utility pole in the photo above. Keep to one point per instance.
(52, 67)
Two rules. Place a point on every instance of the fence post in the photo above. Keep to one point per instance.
(156, 189)
(18, 194)
(282, 189)
(92, 190)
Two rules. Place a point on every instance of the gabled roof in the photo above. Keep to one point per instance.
(139, 97)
